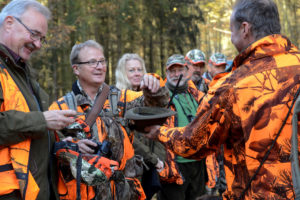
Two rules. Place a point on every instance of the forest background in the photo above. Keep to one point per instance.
(154, 29)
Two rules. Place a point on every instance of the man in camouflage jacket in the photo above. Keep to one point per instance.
(246, 108)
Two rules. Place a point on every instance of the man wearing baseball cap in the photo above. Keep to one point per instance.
(195, 60)
(185, 98)
(216, 64)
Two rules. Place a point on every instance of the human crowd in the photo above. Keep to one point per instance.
(228, 134)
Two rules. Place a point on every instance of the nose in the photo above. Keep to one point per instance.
(137, 73)
(177, 73)
(37, 44)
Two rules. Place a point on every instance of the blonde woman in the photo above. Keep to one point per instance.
(130, 71)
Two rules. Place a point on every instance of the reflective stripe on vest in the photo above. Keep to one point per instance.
(14, 172)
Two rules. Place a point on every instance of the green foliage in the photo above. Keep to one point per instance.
(155, 29)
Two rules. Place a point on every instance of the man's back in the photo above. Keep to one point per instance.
(258, 94)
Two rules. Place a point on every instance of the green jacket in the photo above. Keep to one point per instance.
(15, 126)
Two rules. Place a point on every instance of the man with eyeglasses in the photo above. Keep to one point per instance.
(89, 65)
(25, 138)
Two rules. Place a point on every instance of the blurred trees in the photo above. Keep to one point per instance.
(155, 29)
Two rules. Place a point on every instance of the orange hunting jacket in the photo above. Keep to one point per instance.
(244, 110)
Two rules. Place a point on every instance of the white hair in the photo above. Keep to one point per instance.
(17, 8)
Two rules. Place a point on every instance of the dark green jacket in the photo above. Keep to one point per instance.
(15, 126)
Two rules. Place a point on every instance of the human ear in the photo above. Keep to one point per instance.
(75, 69)
(246, 29)
(8, 23)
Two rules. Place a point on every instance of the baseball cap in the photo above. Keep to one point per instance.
(195, 56)
(218, 59)
(176, 59)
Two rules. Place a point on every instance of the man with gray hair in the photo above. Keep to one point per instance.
(89, 66)
(25, 138)
(248, 109)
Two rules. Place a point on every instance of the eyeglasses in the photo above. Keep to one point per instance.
(93, 63)
(34, 36)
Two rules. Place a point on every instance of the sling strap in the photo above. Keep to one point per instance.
(270, 148)
(175, 90)
(294, 151)
(97, 107)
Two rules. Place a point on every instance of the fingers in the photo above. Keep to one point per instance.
(159, 166)
(68, 139)
(68, 113)
(150, 82)
(85, 146)
(58, 119)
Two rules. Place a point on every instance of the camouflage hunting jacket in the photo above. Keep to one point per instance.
(112, 127)
(244, 110)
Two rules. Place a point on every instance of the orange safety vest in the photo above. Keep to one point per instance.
(14, 171)
(67, 190)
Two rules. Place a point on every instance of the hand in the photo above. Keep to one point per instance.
(159, 166)
(85, 146)
(58, 119)
(150, 82)
(152, 132)
(68, 139)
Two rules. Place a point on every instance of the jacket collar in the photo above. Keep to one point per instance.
(11, 58)
(265, 47)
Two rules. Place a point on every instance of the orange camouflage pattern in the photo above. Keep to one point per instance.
(171, 172)
(213, 171)
(244, 110)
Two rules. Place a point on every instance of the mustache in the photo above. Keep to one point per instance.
(175, 79)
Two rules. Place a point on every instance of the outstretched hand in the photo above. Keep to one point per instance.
(58, 119)
(150, 82)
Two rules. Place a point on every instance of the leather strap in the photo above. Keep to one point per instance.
(97, 107)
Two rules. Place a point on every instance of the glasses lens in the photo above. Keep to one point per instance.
(36, 37)
(103, 62)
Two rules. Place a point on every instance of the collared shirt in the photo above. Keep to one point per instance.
(87, 97)
(15, 56)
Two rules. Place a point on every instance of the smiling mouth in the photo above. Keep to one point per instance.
(30, 47)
